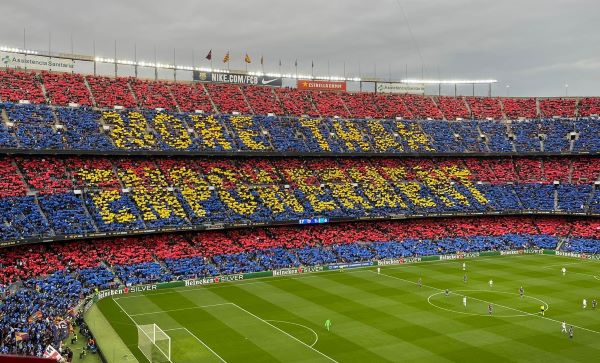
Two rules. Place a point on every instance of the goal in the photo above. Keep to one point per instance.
(154, 343)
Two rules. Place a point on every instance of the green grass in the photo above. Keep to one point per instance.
(379, 318)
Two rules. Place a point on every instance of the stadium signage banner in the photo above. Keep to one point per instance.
(126, 290)
(568, 254)
(213, 280)
(395, 87)
(12, 60)
(512, 252)
(338, 266)
(237, 78)
(398, 261)
(313, 220)
(297, 271)
(459, 256)
(305, 84)
(530, 251)
(583, 256)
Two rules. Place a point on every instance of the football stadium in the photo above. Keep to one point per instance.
(237, 207)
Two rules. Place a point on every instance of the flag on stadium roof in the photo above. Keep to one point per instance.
(209, 55)
(247, 59)
(226, 58)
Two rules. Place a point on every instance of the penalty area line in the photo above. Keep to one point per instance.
(182, 309)
(200, 341)
(286, 333)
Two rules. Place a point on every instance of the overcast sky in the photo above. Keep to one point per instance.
(535, 46)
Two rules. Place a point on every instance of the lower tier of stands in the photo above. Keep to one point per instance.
(55, 198)
(43, 282)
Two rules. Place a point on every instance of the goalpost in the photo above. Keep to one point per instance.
(154, 343)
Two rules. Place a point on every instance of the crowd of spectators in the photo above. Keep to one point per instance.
(54, 197)
(45, 128)
(105, 92)
(50, 279)
(45, 198)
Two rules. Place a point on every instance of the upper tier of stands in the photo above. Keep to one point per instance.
(43, 128)
(104, 92)
(49, 197)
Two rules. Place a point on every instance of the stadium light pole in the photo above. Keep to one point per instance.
(25, 47)
(135, 67)
(115, 58)
(94, 46)
(72, 69)
(566, 90)
(50, 51)
(155, 66)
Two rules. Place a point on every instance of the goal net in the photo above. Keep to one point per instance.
(154, 343)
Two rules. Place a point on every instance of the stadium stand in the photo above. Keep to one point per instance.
(81, 195)
(55, 276)
(153, 94)
(485, 108)
(228, 98)
(166, 201)
(65, 88)
(562, 107)
(110, 92)
(16, 86)
(392, 106)
(516, 108)
(588, 106)
(329, 104)
(296, 102)
(453, 107)
(48, 128)
(262, 100)
(191, 97)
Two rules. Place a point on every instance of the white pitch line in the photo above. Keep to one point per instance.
(564, 264)
(207, 347)
(581, 273)
(198, 339)
(304, 326)
(182, 309)
(259, 280)
(478, 314)
(286, 333)
(574, 272)
(136, 324)
(488, 302)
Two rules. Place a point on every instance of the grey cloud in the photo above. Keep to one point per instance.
(535, 46)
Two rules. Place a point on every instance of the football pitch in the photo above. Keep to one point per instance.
(375, 317)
